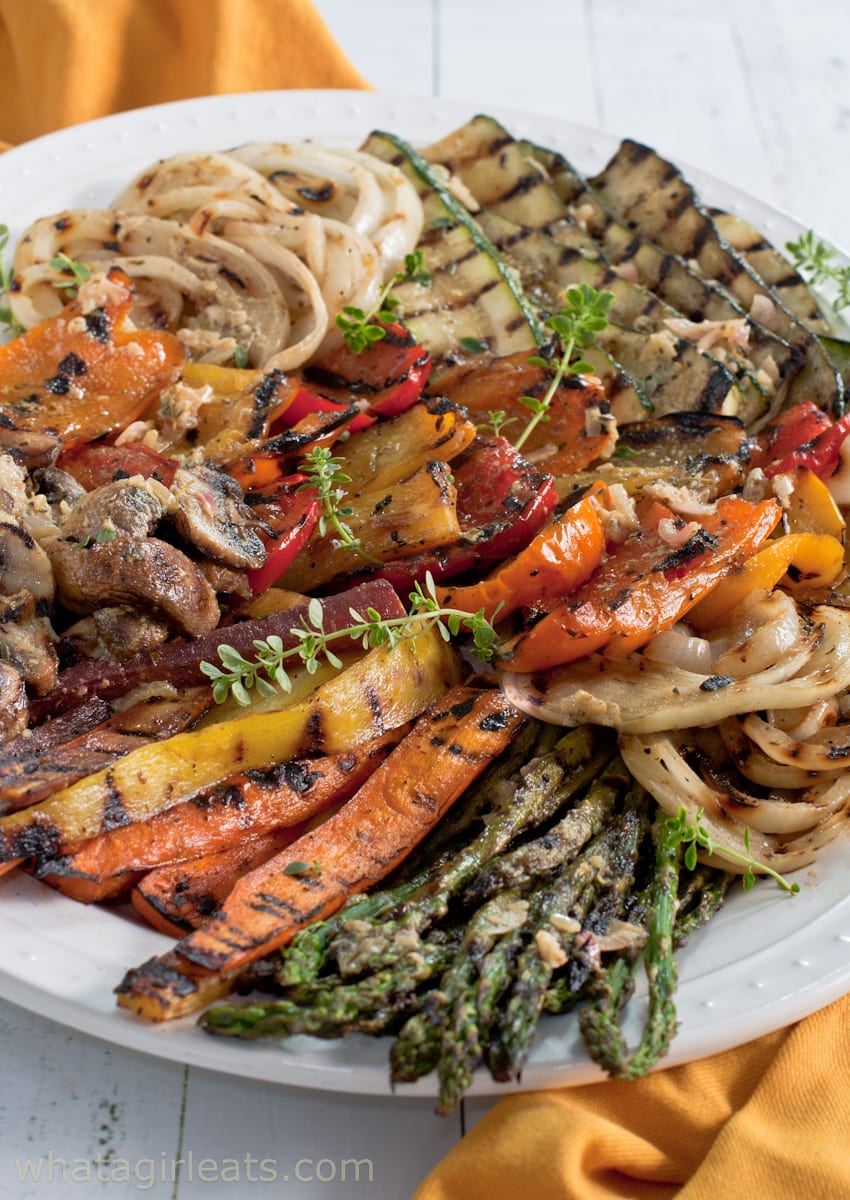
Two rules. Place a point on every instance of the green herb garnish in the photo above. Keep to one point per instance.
(814, 257)
(238, 676)
(240, 358)
(497, 420)
(302, 868)
(327, 479)
(362, 329)
(576, 326)
(680, 832)
(7, 317)
(77, 273)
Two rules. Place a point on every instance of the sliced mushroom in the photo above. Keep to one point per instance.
(124, 508)
(211, 515)
(142, 573)
(14, 708)
(24, 566)
(115, 634)
(28, 448)
(26, 640)
(59, 488)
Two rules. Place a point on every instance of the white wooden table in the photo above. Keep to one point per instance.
(756, 91)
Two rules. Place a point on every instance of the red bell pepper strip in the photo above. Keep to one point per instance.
(645, 585)
(307, 401)
(93, 465)
(391, 375)
(557, 561)
(288, 518)
(802, 436)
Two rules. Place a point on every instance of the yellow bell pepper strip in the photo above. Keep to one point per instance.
(557, 561)
(811, 507)
(811, 560)
(645, 585)
(78, 374)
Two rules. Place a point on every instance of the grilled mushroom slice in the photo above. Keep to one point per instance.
(212, 516)
(142, 573)
(122, 508)
(14, 708)
(26, 640)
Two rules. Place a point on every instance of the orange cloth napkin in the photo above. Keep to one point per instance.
(766, 1120)
(66, 61)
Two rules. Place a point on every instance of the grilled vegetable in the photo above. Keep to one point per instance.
(472, 294)
(242, 806)
(390, 814)
(384, 690)
(642, 188)
(645, 585)
(177, 898)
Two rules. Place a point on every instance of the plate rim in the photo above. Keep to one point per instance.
(706, 1029)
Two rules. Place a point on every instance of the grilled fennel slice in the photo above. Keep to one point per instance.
(472, 295)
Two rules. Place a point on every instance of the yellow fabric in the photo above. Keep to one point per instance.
(66, 61)
(766, 1120)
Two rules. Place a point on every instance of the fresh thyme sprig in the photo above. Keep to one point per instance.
(327, 479)
(576, 326)
(76, 272)
(814, 257)
(239, 676)
(7, 317)
(362, 329)
(498, 420)
(680, 832)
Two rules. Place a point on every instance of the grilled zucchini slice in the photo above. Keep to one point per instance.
(472, 296)
(781, 277)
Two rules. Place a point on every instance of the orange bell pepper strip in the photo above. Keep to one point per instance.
(645, 585)
(813, 560)
(78, 374)
(557, 561)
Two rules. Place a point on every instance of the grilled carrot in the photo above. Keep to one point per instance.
(243, 806)
(449, 747)
(182, 896)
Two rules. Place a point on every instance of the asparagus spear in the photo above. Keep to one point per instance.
(702, 897)
(548, 783)
(331, 1009)
(600, 1020)
(607, 865)
(547, 854)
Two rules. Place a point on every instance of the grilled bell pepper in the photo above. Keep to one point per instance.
(502, 503)
(645, 585)
(802, 436)
(288, 518)
(557, 561)
(79, 374)
(95, 465)
(390, 375)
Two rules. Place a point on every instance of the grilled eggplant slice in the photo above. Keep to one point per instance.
(781, 277)
(651, 195)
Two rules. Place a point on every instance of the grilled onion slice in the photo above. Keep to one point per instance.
(639, 695)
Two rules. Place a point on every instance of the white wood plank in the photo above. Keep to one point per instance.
(305, 1143)
(77, 1111)
(391, 44)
